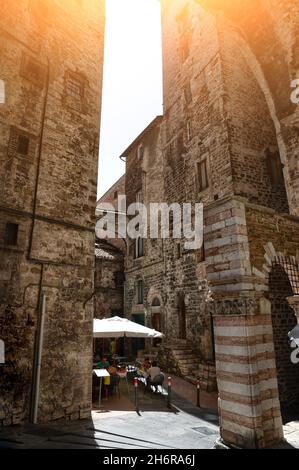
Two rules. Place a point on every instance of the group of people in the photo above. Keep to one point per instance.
(152, 373)
(111, 367)
(149, 371)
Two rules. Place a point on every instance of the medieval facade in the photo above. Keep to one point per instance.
(51, 57)
(228, 139)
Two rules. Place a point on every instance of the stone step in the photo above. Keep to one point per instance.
(185, 356)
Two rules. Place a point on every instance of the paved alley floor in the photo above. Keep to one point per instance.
(117, 425)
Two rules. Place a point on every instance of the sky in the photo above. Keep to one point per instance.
(132, 92)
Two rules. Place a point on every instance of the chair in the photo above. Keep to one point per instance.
(156, 382)
(115, 380)
(124, 375)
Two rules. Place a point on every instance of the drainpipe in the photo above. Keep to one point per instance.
(40, 341)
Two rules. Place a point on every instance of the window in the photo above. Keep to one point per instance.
(140, 292)
(178, 251)
(202, 176)
(115, 196)
(2, 92)
(156, 302)
(189, 130)
(139, 251)
(275, 168)
(23, 145)
(11, 234)
(74, 91)
(140, 152)
(139, 197)
(119, 279)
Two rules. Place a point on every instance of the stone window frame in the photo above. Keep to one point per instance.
(14, 144)
(71, 99)
(204, 158)
(140, 292)
(33, 70)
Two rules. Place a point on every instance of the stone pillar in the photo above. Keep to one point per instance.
(294, 304)
(249, 407)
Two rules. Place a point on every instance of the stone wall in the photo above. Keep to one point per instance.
(51, 62)
(109, 282)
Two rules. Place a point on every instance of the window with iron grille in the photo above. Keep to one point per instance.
(11, 234)
(21, 144)
(74, 91)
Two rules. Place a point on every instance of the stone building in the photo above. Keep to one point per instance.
(51, 57)
(230, 140)
(110, 254)
(145, 262)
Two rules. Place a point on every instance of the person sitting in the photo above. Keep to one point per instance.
(112, 368)
(114, 378)
(146, 365)
(103, 364)
(155, 376)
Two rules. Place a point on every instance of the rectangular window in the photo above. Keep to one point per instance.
(140, 292)
(202, 176)
(139, 252)
(74, 91)
(11, 234)
(275, 168)
(23, 145)
(119, 279)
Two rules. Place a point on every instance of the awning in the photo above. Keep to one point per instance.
(117, 327)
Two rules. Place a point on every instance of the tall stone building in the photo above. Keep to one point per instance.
(230, 140)
(51, 57)
(145, 263)
(110, 255)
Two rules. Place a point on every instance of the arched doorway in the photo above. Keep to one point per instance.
(284, 320)
(182, 318)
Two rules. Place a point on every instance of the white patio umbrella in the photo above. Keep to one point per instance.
(117, 327)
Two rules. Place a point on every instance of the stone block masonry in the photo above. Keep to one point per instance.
(51, 58)
(246, 373)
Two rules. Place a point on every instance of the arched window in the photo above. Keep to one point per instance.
(156, 302)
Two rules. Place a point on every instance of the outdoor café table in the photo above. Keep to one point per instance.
(100, 373)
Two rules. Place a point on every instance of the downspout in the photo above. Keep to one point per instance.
(40, 341)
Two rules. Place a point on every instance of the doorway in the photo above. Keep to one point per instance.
(283, 321)
(138, 344)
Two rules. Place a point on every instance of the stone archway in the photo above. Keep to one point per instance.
(281, 286)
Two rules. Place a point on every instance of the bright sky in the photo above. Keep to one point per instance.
(132, 95)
